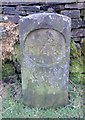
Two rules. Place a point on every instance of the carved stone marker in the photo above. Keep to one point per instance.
(45, 48)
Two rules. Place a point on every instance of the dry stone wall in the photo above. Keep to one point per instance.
(59, 1)
(13, 11)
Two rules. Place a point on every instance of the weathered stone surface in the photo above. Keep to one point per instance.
(9, 10)
(76, 23)
(83, 23)
(1, 28)
(14, 18)
(75, 6)
(59, 1)
(45, 46)
(29, 8)
(23, 13)
(2, 33)
(71, 6)
(71, 13)
(16, 2)
(78, 32)
(0, 9)
(26, 10)
(59, 7)
(2, 18)
(7, 18)
(51, 10)
(54, 6)
(80, 0)
(44, 7)
(77, 39)
(81, 5)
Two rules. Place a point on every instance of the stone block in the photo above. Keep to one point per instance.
(71, 13)
(1, 18)
(2, 33)
(71, 6)
(75, 6)
(81, 5)
(29, 8)
(12, 18)
(83, 23)
(58, 1)
(54, 6)
(0, 9)
(59, 7)
(45, 7)
(1, 28)
(45, 50)
(76, 23)
(9, 10)
(80, 0)
(51, 10)
(78, 32)
(77, 40)
(26, 10)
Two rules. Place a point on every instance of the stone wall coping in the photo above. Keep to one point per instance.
(58, 1)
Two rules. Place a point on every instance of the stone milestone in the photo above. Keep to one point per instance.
(45, 49)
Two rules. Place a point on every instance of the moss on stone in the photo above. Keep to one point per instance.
(44, 95)
(82, 12)
(83, 47)
(16, 53)
(76, 64)
(83, 56)
(84, 18)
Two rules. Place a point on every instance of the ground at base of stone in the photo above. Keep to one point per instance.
(13, 107)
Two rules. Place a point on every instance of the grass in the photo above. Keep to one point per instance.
(13, 106)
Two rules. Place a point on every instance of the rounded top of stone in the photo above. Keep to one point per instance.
(42, 15)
